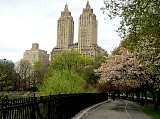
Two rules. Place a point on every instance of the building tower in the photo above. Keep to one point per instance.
(36, 54)
(65, 29)
(87, 32)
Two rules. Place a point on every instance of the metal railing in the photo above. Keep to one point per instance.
(62, 106)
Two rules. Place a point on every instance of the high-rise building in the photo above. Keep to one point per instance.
(65, 29)
(87, 33)
(35, 54)
(65, 32)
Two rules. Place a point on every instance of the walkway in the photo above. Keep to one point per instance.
(118, 109)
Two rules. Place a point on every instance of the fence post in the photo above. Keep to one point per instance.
(33, 116)
(5, 104)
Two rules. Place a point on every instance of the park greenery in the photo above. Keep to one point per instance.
(68, 72)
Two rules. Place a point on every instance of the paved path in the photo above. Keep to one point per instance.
(118, 109)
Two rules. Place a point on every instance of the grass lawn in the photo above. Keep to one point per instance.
(149, 110)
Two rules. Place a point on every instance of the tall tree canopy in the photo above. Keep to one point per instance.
(69, 60)
(136, 15)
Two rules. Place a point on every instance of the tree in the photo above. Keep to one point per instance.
(140, 29)
(136, 15)
(8, 77)
(63, 82)
(68, 60)
(138, 19)
(66, 72)
(120, 71)
(24, 69)
(149, 54)
(38, 73)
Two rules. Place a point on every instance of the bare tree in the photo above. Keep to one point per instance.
(24, 68)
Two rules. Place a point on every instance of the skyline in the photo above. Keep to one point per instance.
(25, 22)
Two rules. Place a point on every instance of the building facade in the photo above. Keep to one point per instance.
(87, 33)
(35, 54)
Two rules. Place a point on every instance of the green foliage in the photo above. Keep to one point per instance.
(37, 64)
(69, 72)
(63, 81)
(89, 75)
(99, 60)
(139, 19)
(115, 51)
(68, 60)
(37, 73)
(8, 77)
(136, 15)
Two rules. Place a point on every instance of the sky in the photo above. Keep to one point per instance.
(23, 22)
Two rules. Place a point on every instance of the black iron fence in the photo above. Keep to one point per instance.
(62, 106)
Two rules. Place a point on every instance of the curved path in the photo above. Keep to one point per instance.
(118, 109)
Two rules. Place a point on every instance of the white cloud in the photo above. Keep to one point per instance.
(23, 22)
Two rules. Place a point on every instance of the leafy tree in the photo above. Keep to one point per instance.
(136, 15)
(64, 81)
(67, 66)
(68, 60)
(8, 77)
(88, 72)
(38, 73)
(139, 19)
(99, 60)
(89, 75)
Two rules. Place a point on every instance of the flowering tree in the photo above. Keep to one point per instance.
(140, 27)
(120, 72)
(148, 55)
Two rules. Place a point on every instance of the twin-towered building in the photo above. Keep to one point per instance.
(87, 33)
(87, 37)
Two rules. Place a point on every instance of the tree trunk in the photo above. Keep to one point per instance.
(145, 94)
(126, 94)
(142, 90)
(138, 94)
(118, 94)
